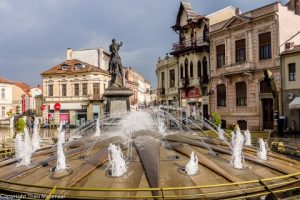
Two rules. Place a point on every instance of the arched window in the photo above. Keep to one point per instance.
(199, 68)
(191, 69)
(186, 63)
(241, 93)
(181, 71)
(221, 95)
(242, 124)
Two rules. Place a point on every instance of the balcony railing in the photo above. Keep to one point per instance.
(185, 82)
(191, 42)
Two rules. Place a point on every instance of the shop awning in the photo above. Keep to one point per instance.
(68, 106)
(295, 104)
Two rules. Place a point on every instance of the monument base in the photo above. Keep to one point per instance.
(117, 101)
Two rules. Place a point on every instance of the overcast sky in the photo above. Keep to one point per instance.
(36, 33)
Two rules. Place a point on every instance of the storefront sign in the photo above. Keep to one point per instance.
(191, 93)
(194, 92)
(57, 106)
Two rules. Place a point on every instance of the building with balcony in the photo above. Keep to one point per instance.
(77, 87)
(241, 48)
(290, 80)
(183, 80)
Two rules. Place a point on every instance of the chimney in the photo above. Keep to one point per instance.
(69, 53)
(237, 11)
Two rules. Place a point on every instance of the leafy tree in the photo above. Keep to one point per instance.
(216, 118)
(20, 125)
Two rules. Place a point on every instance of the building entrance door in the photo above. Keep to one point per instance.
(205, 111)
(267, 112)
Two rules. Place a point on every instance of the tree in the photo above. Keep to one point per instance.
(20, 125)
(216, 118)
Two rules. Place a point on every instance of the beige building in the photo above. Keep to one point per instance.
(241, 48)
(77, 87)
(5, 97)
(183, 80)
(290, 62)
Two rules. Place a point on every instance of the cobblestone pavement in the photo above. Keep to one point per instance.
(287, 145)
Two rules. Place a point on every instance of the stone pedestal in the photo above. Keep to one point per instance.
(117, 101)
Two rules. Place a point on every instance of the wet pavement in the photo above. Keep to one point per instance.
(286, 145)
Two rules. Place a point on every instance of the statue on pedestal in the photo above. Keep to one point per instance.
(115, 65)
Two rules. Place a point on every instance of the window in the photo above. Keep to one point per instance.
(76, 89)
(181, 71)
(64, 67)
(78, 66)
(96, 89)
(3, 93)
(241, 94)
(221, 95)
(84, 89)
(205, 34)
(50, 90)
(191, 69)
(265, 51)
(64, 90)
(186, 63)
(240, 50)
(163, 79)
(292, 72)
(199, 68)
(3, 111)
(242, 124)
(172, 78)
(220, 55)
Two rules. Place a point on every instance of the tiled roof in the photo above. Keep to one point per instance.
(4, 80)
(24, 87)
(296, 49)
(70, 68)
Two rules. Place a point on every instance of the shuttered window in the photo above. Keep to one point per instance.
(241, 94)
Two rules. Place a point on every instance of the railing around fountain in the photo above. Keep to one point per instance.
(162, 193)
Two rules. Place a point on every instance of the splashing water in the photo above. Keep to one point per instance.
(98, 130)
(221, 132)
(232, 137)
(247, 138)
(161, 125)
(18, 146)
(36, 137)
(237, 155)
(191, 167)
(27, 150)
(262, 151)
(61, 159)
(116, 161)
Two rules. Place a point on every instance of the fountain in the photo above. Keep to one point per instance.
(18, 146)
(248, 141)
(262, 151)
(116, 159)
(191, 167)
(61, 160)
(161, 123)
(232, 137)
(237, 155)
(36, 137)
(98, 130)
(221, 132)
(27, 150)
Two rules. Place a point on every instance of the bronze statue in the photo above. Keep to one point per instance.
(115, 66)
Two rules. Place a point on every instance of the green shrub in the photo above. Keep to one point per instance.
(20, 125)
(216, 118)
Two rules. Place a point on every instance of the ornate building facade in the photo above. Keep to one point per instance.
(241, 48)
